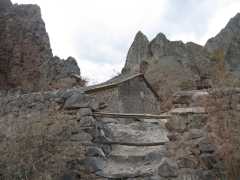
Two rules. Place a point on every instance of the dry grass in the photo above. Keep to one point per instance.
(224, 128)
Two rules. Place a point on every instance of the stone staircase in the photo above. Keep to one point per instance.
(172, 147)
(132, 161)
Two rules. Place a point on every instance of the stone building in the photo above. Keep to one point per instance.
(127, 95)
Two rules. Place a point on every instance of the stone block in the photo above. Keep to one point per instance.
(168, 168)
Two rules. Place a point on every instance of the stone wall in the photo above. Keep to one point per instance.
(46, 135)
(191, 145)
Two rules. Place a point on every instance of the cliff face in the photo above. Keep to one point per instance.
(26, 60)
(228, 41)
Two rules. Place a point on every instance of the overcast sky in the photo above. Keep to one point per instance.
(98, 33)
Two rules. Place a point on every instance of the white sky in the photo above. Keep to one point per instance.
(98, 33)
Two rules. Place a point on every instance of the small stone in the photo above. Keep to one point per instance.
(187, 162)
(86, 121)
(95, 152)
(173, 136)
(77, 101)
(188, 174)
(94, 164)
(206, 175)
(82, 137)
(206, 147)
(177, 123)
(194, 134)
(168, 168)
(197, 121)
(102, 105)
(84, 112)
(209, 160)
(94, 105)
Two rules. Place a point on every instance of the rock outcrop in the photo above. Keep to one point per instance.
(168, 65)
(228, 41)
(137, 53)
(173, 65)
(26, 59)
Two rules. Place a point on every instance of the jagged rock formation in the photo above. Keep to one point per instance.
(228, 41)
(172, 65)
(167, 53)
(26, 60)
(168, 65)
(137, 53)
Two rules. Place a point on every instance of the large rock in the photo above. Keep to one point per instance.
(26, 59)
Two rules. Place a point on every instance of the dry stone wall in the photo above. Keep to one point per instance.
(191, 145)
(46, 136)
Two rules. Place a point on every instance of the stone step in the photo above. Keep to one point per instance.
(133, 154)
(188, 110)
(137, 132)
(114, 169)
(163, 168)
(133, 161)
(190, 98)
